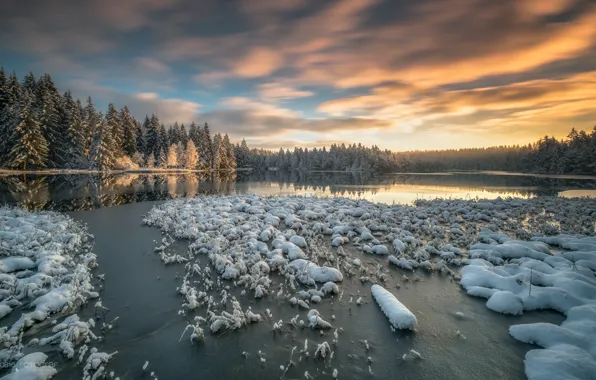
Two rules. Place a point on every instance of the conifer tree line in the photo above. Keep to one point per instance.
(576, 154)
(42, 128)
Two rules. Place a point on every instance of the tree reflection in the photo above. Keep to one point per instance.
(84, 192)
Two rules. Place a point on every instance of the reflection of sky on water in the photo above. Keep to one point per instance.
(84, 192)
(405, 194)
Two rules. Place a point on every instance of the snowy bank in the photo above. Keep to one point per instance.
(45, 269)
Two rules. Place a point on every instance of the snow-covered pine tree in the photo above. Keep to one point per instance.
(140, 135)
(162, 161)
(129, 137)
(183, 136)
(150, 136)
(174, 134)
(3, 87)
(193, 134)
(180, 154)
(192, 156)
(172, 156)
(54, 117)
(9, 115)
(137, 158)
(102, 155)
(3, 106)
(242, 155)
(217, 157)
(205, 149)
(76, 130)
(115, 125)
(92, 120)
(30, 85)
(229, 152)
(28, 146)
(155, 131)
(162, 139)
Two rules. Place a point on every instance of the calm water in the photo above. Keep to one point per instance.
(142, 291)
(84, 192)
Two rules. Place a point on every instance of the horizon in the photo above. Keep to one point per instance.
(397, 76)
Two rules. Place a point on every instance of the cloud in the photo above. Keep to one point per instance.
(258, 62)
(168, 110)
(152, 65)
(274, 92)
(507, 67)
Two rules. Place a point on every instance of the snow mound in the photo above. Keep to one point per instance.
(399, 315)
(537, 279)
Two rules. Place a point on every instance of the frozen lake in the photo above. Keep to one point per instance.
(141, 290)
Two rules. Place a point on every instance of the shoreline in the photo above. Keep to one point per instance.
(8, 172)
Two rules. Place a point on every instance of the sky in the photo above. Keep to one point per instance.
(402, 75)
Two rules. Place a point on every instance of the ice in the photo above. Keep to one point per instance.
(399, 316)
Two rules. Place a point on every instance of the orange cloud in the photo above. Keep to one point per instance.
(258, 62)
(276, 92)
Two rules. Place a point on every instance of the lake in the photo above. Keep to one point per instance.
(141, 290)
(84, 192)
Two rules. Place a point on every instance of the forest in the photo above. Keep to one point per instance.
(41, 128)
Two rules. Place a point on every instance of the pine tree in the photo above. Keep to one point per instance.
(192, 156)
(54, 117)
(228, 150)
(205, 148)
(162, 161)
(172, 156)
(180, 154)
(242, 155)
(114, 124)
(137, 158)
(151, 131)
(155, 126)
(140, 136)
(102, 155)
(217, 156)
(11, 98)
(162, 139)
(29, 147)
(75, 134)
(30, 85)
(183, 136)
(193, 134)
(5, 116)
(92, 120)
(129, 137)
(174, 134)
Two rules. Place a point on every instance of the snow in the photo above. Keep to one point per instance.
(505, 302)
(297, 251)
(308, 272)
(399, 316)
(536, 278)
(48, 268)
